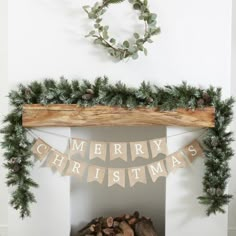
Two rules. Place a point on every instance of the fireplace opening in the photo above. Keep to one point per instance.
(94, 200)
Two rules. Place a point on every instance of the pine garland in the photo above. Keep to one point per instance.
(217, 141)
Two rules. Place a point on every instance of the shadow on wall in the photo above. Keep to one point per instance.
(91, 200)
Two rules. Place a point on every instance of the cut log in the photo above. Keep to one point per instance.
(98, 228)
(126, 229)
(117, 230)
(132, 220)
(127, 216)
(107, 222)
(125, 225)
(89, 229)
(116, 223)
(145, 228)
(119, 218)
(136, 214)
(108, 231)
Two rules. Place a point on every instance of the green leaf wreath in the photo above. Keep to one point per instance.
(217, 142)
(129, 48)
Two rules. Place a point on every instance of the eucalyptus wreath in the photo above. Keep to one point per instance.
(130, 47)
(217, 141)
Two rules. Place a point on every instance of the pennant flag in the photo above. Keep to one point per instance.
(78, 147)
(158, 146)
(175, 161)
(57, 160)
(157, 169)
(76, 168)
(137, 174)
(40, 149)
(96, 173)
(139, 149)
(116, 176)
(98, 150)
(118, 150)
(193, 150)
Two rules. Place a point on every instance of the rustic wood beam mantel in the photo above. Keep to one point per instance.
(63, 115)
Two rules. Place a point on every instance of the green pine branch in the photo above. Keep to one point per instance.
(217, 141)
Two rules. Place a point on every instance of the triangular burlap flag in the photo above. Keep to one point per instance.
(78, 147)
(98, 150)
(76, 168)
(175, 161)
(193, 150)
(116, 176)
(118, 150)
(96, 173)
(57, 160)
(137, 174)
(158, 146)
(139, 149)
(40, 149)
(157, 169)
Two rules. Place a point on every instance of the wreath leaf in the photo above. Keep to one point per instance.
(107, 2)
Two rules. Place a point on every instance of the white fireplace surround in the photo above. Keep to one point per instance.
(99, 200)
(45, 39)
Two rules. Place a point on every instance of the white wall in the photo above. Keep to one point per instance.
(46, 40)
(3, 101)
(232, 184)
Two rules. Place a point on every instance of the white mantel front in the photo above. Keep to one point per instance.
(46, 39)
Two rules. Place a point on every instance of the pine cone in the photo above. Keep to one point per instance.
(16, 168)
(149, 100)
(87, 96)
(28, 92)
(219, 192)
(13, 160)
(214, 141)
(200, 102)
(211, 191)
(89, 91)
(206, 97)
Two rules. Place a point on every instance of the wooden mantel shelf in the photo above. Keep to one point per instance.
(62, 115)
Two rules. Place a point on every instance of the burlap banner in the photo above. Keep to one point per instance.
(137, 174)
(78, 147)
(75, 168)
(98, 150)
(57, 160)
(139, 149)
(157, 169)
(96, 173)
(175, 161)
(40, 149)
(158, 146)
(117, 176)
(118, 150)
(193, 150)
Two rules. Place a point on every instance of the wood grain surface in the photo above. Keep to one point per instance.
(62, 115)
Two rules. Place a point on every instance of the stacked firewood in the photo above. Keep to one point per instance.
(125, 225)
